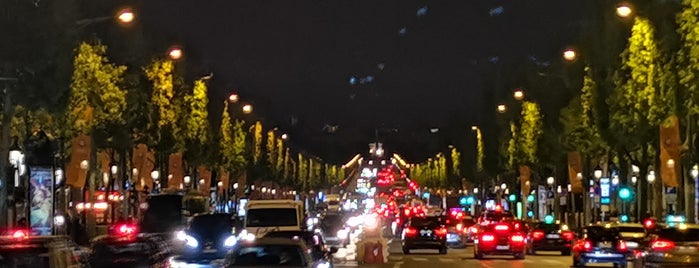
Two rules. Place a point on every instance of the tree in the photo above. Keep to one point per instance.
(580, 131)
(688, 55)
(302, 173)
(530, 132)
(197, 130)
(456, 162)
(239, 136)
(287, 173)
(279, 163)
(160, 74)
(271, 151)
(227, 142)
(257, 142)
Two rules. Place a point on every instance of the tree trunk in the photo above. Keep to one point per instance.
(92, 178)
(8, 113)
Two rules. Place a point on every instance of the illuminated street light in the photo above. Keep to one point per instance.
(550, 181)
(126, 16)
(284, 136)
(187, 179)
(597, 173)
(155, 175)
(503, 186)
(247, 109)
(624, 10)
(569, 54)
(651, 176)
(175, 53)
(502, 108)
(474, 128)
(518, 94)
(233, 98)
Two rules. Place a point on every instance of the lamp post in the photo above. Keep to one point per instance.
(187, 180)
(695, 175)
(651, 195)
(235, 198)
(155, 176)
(15, 157)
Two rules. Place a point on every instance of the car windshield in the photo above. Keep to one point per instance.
(429, 222)
(548, 227)
(269, 256)
(677, 235)
(631, 229)
(214, 224)
(498, 216)
(267, 217)
(309, 238)
(333, 203)
(601, 233)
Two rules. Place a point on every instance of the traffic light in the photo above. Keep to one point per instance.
(625, 194)
(512, 198)
(530, 214)
(530, 198)
(624, 218)
(548, 219)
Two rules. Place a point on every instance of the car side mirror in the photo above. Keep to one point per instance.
(333, 250)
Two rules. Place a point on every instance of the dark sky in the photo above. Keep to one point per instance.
(293, 59)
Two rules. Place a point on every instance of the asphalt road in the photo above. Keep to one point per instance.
(464, 258)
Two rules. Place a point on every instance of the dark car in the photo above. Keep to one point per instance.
(313, 241)
(334, 229)
(550, 237)
(502, 238)
(209, 236)
(425, 233)
(635, 236)
(19, 249)
(495, 216)
(600, 244)
(676, 246)
(272, 252)
(140, 250)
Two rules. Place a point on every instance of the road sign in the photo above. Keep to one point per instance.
(605, 190)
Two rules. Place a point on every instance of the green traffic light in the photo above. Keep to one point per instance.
(512, 198)
(530, 198)
(624, 218)
(470, 200)
(548, 219)
(625, 194)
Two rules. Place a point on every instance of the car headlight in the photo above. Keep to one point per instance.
(246, 236)
(323, 264)
(230, 241)
(190, 241)
(342, 233)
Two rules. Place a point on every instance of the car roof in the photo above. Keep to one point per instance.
(274, 241)
(627, 224)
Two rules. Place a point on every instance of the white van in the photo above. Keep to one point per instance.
(333, 202)
(264, 216)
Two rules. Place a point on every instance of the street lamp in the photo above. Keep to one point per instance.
(285, 137)
(651, 176)
(624, 10)
(474, 128)
(503, 186)
(247, 109)
(175, 53)
(126, 16)
(219, 184)
(502, 108)
(187, 180)
(597, 172)
(518, 94)
(570, 54)
(233, 98)
(235, 186)
(114, 169)
(550, 180)
(475, 190)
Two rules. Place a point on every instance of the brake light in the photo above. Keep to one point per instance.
(410, 231)
(662, 245)
(406, 212)
(20, 234)
(538, 235)
(649, 223)
(568, 235)
(517, 226)
(518, 238)
(622, 246)
(441, 231)
(125, 229)
(587, 245)
(583, 245)
(459, 227)
(502, 227)
(487, 238)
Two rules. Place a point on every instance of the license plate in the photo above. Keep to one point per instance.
(605, 245)
(210, 250)
(502, 247)
(631, 244)
(553, 236)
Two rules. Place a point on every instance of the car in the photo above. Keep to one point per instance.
(494, 216)
(671, 246)
(502, 238)
(314, 241)
(634, 235)
(600, 244)
(208, 237)
(334, 229)
(129, 249)
(272, 252)
(550, 237)
(20, 248)
(458, 224)
(425, 233)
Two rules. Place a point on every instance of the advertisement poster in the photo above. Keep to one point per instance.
(41, 198)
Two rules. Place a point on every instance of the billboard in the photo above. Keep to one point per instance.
(41, 200)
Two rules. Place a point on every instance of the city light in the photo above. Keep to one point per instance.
(126, 16)
(502, 108)
(624, 10)
(518, 94)
(569, 54)
(175, 53)
(247, 109)
(233, 98)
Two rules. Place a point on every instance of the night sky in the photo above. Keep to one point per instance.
(332, 72)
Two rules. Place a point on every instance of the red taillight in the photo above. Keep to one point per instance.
(487, 238)
(502, 227)
(582, 245)
(662, 245)
(410, 231)
(459, 227)
(622, 246)
(18, 234)
(441, 231)
(518, 238)
(125, 229)
(587, 245)
(568, 235)
(406, 212)
(517, 226)
(538, 235)
(649, 223)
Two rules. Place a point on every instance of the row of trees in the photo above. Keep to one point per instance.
(610, 108)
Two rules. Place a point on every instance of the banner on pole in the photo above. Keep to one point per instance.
(41, 200)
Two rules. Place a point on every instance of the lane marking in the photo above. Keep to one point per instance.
(397, 264)
(420, 259)
(447, 260)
